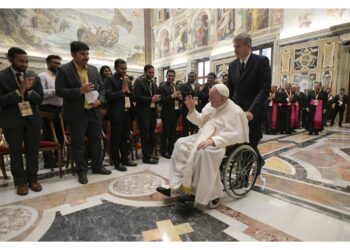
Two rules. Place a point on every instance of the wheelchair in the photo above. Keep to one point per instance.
(238, 170)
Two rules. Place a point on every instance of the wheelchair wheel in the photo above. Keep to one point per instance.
(239, 171)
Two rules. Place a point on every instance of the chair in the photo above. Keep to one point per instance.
(4, 150)
(54, 145)
(67, 144)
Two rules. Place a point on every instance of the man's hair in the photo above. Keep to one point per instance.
(119, 61)
(131, 78)
(342, 89)
(170, 71)
(192, 72)
(50, 57)
(76, 46)
(147, 67)
(12, 52)
(243, 37)
(212, 74)
(224, 74)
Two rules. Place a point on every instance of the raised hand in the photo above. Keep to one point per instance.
(189, 103)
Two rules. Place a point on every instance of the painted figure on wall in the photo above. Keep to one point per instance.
(257, 19)
(164, 44)
(306, 58)
(201, 31)
(181, 38)
(226, 23)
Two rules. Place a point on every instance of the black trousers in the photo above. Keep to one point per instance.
(46, 133)
(29, 134)
(91, 127)
(120, 140)
(147, 125)
(169, 133)
(339, 110)
(255, 134)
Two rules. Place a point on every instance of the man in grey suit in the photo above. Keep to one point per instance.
(80, 86)
(20, 96)
(249, 81)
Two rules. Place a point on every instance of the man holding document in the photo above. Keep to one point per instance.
(80, 86)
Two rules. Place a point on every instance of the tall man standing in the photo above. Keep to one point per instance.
(20, 119)
(340, 101)
(250, 83)
(52, 104)
(119, 103)
(82, 90)
(146, 96)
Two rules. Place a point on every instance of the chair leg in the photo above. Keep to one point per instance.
(60, 162)
(2, 166)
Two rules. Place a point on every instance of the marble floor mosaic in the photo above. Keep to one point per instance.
(303, 194)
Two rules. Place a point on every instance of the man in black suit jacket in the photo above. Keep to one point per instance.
(203, 95)
(146, 96)
(186, 89)
(119, 103)
(170, 98)
(78, 83)
(340, 101)
(250, 83)
(21, 125)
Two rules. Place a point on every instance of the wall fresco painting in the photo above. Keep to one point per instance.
(225, 23)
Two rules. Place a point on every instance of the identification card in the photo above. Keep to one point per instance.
(127, 102)
(25, 108)
(340, 103)
(316, 102)
(153, 105)
(270, 103)
(195, 100)
(176, 105)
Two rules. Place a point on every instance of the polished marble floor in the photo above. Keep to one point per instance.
(303, 194)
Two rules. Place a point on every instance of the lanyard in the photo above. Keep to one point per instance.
(150, 87)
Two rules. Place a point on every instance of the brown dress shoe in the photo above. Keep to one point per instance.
(22, 189)
(35, 186)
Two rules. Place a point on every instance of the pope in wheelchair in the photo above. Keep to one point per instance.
(199, 166)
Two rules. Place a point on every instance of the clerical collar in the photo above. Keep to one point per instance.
(246, 59)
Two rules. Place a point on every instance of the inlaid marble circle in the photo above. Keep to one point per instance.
(14, 220)
(136, 185)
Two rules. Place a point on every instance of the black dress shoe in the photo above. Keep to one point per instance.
(130, 164)
(166, 155)
(185, 197)
(164, 191)
(120, 168)
(102, 170)
(155, 158)
(150, 161)
(83, 178)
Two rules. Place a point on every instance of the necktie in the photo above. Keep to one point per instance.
(18, 77)
(242, 68)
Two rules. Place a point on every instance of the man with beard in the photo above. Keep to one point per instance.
(146, 96)
(170, 98)
(20, 120)
(203, 95)
(187, 90)
(316, 107)
(119, 103)
(340, 101)
(249, 82)
(80, 86)
(51, 104)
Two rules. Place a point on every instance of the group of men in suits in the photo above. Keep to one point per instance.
(83, 92)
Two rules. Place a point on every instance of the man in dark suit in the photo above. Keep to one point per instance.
(119, 104)
(203, 95)
(186, 89)
(340, 101)
(250, 83)
(170, 98)
(80, 86)
(146, 96)
(20, 96)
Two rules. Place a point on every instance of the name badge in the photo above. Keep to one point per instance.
(195, 100)
(270, 103)
(25, 108)
(153, 105)
(127, 102)
(176, 105)
(316, 102)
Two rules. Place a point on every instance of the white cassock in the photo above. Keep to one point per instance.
(199, 169)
